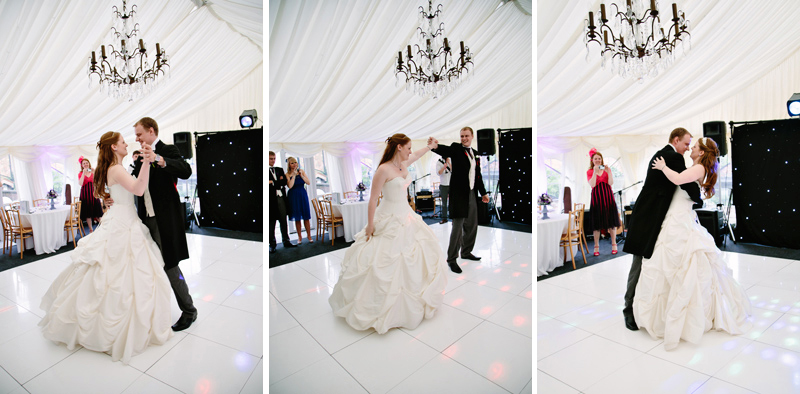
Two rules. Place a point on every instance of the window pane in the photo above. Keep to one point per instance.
(366, 172)
(321, 173)
(7, 184)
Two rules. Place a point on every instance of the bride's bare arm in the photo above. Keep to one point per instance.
(690, 175)
(375, 191)
(432, 143)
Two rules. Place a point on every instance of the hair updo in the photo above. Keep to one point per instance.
(391, 146)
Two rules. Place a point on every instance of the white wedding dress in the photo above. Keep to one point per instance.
(398, 277)
(115, 296)
(685, 288)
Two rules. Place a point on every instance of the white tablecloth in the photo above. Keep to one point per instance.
(354, 216)
(48, 229)
(548, 234)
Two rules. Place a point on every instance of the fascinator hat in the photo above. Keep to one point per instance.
(80, 160)
(592, 152)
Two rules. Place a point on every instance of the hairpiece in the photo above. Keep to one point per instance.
(592, 152)
(80, 161)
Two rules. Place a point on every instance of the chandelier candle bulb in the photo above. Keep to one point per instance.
(141, 45)
(400, 57)
(158, 50)
(409, 52)
(653, 7)
(103, 51)
(591, 20)
(93, 59)
(675, 12)
(603, 13)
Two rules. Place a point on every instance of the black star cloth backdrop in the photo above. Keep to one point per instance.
(230, 178)
(516, 163)
(766, 187)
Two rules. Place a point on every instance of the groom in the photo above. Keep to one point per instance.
(160, 210)
(651, 208)
(465, 188)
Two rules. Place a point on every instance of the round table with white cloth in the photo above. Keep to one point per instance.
(354, 217)
(549, 255)
(48, 228)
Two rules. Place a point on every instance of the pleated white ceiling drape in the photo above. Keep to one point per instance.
(45, 95)
(743, 65)
(332, 80)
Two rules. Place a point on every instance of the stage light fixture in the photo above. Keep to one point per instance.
(793, 105)
(248, 118)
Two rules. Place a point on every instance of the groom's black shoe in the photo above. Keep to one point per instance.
(454, 267)
(289, 245)
(273, 248)
(470, 256)
(184, 322)
(630, 323)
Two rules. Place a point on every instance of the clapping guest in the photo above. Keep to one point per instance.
(299, 209)
(90, 205)
(603, 207)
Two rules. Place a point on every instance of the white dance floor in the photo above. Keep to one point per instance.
(583, 345)
(221, 353)
(479, 341)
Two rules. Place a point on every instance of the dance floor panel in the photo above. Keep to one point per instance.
(479, 341)
(221, 352)
(584, 347)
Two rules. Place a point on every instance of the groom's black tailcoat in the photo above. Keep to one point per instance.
(167, 202)
(653, 202)
(459, 179)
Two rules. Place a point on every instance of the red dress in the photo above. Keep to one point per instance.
(90, 205)
(603, 209)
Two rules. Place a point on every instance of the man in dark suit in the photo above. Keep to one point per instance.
(651, 208)
(465, 188)
(161, 211)
(277, 205)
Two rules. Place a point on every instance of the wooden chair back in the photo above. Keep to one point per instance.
(350, 194)
(41, 202)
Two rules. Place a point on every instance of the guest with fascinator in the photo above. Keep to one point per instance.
(91, 210)
(603, 208)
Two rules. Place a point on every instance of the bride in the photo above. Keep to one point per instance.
(685, 288)
(393, 274)
(115, 296)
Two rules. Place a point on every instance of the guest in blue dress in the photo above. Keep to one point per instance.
(299, 208)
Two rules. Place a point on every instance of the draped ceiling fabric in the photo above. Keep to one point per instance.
(332, 81)
(743, 65)
(215, 52)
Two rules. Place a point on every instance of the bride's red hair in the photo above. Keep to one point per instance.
(709, 162)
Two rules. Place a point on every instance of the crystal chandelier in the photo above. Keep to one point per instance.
(634, 43)
(435, 72)
(124, 72)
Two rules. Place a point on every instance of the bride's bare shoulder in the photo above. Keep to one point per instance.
(114, 172)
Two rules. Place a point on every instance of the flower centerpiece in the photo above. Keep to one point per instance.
(544, 201)
(360, 188)
(52, 195)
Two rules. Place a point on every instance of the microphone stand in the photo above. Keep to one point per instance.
(622, 211)
(414, 188)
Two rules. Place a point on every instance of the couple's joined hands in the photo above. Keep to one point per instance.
(433, 143)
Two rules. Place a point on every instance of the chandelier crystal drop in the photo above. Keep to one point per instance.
(430, 69)
(634, 42)
(124, 70)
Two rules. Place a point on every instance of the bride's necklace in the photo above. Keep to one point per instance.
(397, 165)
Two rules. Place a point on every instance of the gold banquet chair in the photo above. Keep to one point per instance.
(330, 220)
(18, 231)
(580, 207)
(320, 219)
(572, 237)
(74, 224)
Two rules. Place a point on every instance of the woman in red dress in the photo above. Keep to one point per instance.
(90, 205)
(603, 208)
